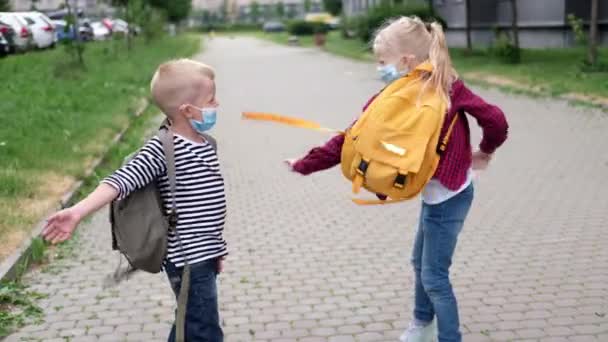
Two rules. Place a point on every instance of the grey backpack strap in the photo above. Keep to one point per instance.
(211, 140)
(166, 138)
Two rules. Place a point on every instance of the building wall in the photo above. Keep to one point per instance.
(49, 5)
(538, 13)
(542, 23)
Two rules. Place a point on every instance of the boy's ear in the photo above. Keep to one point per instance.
(185, 110)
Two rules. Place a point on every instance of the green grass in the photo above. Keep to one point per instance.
(138, 132)
(556, 71)
(56, 119)
(17, 307)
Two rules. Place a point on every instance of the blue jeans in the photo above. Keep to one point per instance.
(202, 313)
(434, 247)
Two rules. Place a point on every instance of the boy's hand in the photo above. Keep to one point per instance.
(220, 265)
(481, 160)
(60, 226)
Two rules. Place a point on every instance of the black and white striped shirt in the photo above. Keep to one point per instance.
(200, 195)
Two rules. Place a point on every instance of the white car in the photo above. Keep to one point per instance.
(120, 26)
(23, 34)
(42, 29)
(100, 31)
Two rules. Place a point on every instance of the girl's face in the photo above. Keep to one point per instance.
(402, 63)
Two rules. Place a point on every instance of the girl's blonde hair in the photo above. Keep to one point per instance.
(426, 41)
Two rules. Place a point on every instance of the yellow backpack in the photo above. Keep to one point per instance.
(393, 148)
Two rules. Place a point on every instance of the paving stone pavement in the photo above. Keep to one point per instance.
(306, 264)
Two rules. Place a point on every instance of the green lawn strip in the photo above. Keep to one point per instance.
(139, 131)
(547, 71)
(17, 304)
(57, 119)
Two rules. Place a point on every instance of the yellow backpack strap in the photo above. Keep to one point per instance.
(377, 202)
(358, 181)
(285, 120)
(446, 138)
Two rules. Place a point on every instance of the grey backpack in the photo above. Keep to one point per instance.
(139, 224)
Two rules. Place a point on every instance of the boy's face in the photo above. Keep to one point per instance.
(206, 99)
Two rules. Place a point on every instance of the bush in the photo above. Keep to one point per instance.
(348, 27)
(301, 28)
(237, 27)
(367, 25)
(321, 28)
(505, 50)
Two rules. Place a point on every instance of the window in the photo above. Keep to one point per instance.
(29, 21)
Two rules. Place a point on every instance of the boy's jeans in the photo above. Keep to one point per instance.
(202, 314)
(434, 246)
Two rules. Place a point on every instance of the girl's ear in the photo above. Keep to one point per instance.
(409, 61)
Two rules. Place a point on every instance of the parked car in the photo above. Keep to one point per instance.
(273, 26)
(23, 34)
(61, 14)
(42, 29)
(100, 31)
(62, 33)
(9, 34)
(120, 26)
(5, 47)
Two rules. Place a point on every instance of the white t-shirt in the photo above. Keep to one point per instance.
(434, 192)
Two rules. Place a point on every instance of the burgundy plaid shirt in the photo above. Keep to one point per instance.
(456, 161)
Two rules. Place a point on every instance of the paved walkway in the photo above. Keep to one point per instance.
(307, 265)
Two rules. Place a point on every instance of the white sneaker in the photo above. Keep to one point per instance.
(417, 332)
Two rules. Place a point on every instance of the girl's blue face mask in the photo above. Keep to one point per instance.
(389, 73)
(209, 118)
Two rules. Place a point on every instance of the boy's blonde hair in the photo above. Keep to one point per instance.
(426, 41)
(179, 82)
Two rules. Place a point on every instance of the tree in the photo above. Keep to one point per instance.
(291, 11)
(280, 9)
(5, 5)
(268, 11)
(254, 12)
(224, 10)
(593, 33)
(176, 10)
(515, 32)
(125, 6)
(307, 6)
(468, 25)
(206, 17)
(334, 7)
(75, 47)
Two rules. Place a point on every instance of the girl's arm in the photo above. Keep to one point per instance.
(320, 158)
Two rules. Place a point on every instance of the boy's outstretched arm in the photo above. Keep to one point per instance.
(60, 226)
(146, 166)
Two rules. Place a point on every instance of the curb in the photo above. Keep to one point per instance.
(10, 267)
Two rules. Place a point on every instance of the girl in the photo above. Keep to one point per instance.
(401, 47)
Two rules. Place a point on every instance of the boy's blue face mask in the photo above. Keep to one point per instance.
(209, 116)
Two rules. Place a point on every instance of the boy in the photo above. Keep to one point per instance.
(185, 92)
